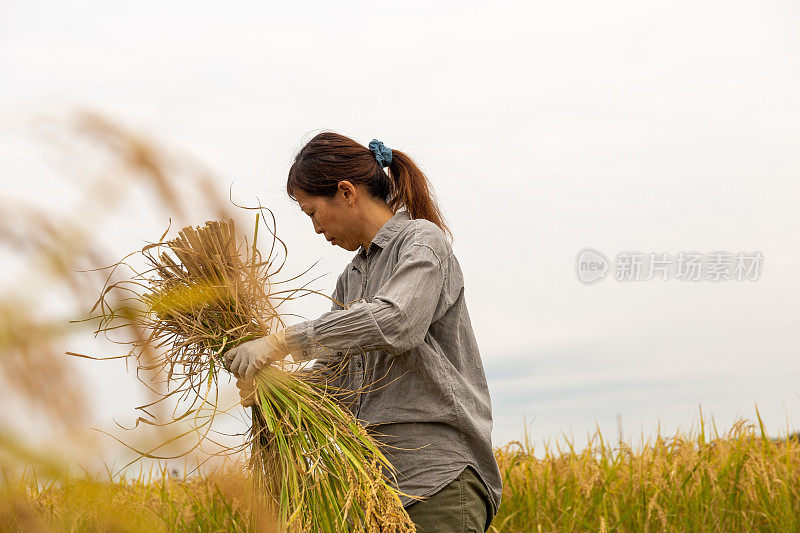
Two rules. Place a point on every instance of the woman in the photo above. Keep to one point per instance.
(398, 330)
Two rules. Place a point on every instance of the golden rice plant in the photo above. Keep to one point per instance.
(741, 480)
(46, 250)
(154, 502)
(690, 481)
(203, 293)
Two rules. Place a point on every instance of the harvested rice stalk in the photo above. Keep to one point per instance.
(203, 296)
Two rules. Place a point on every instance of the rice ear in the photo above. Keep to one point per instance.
(206, 293)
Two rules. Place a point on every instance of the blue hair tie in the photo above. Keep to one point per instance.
(382, 153)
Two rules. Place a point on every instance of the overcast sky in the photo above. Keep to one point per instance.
(545, 128)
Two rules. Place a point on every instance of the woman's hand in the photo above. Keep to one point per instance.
(249, 357)
(247, 392)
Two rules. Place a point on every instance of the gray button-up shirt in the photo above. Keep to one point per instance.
(400, 330)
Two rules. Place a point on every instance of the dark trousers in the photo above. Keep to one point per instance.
(461, 506)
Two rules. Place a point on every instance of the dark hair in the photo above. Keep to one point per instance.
(329, 158)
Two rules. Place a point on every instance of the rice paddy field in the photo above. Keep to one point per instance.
(210, 295)
(738, 481)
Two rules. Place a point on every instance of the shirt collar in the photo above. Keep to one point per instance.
(384, 235)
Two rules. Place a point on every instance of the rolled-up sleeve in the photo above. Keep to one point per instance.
(396, 320)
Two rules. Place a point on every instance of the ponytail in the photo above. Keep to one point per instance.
(413, 190)
(329, 158)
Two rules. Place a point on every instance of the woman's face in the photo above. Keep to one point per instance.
(332, 217)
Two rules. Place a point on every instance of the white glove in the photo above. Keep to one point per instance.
(251, 356)
(247, 392)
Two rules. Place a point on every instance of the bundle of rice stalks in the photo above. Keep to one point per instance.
(204, 295)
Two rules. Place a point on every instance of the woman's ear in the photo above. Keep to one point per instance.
(348, 191)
